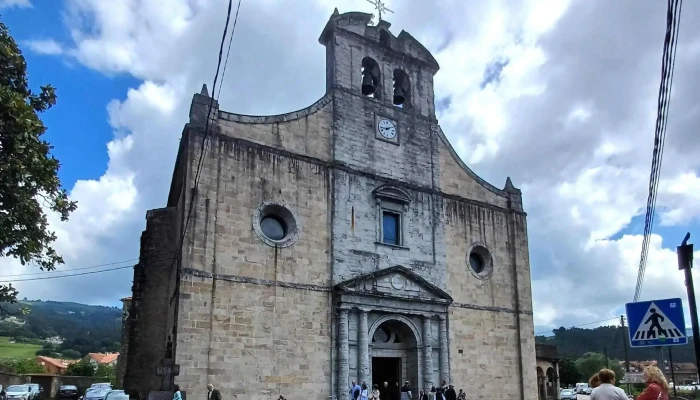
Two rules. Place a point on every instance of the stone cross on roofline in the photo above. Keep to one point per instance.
(380, 6)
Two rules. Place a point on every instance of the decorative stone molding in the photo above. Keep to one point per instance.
(281, 212)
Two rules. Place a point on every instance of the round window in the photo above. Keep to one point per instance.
(476, 262)
(275, 224)
(273, 227)
(480, 262)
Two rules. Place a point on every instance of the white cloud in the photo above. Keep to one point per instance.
(15, 3)
(571, 120)
(45, 46)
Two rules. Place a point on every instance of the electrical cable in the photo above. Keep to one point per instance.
(580, 325)
(204, 137)
(223, 73)
(77, 274)
(70, 270)
(668, 65)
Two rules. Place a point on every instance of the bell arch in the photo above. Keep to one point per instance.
(371, 77)
(402, 89)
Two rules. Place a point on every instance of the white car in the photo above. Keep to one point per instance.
(18, 392)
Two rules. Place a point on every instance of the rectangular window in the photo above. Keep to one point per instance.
(391, 228)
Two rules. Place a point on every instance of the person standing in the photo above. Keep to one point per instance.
(607, 389)
(406, 392)
(376, 395)
(657, 386)
(212, 393)
(450, 393)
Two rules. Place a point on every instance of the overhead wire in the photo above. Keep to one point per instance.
(223, 73)
(3, 278)
(71, 269)
(667, 67)
(207, 125)
(580, 325)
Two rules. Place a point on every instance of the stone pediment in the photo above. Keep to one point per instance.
(398, 282)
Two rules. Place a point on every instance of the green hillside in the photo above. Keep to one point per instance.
(16, 350)
(84, 328)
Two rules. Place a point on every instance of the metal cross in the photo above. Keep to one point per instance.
(379, 5)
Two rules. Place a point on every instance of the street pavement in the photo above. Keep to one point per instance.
(582, 397)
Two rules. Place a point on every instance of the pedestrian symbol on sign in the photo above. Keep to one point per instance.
(656, 325)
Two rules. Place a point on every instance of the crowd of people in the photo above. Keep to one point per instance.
(362, 391)
(603, 384)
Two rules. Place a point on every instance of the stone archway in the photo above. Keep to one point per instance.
(551, 384)
(394, 354)
(541, 390)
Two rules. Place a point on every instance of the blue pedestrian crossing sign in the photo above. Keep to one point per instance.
(656, 323)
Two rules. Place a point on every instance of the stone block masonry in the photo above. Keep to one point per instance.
(254, 341)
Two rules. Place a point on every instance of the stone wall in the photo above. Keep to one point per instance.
(151, 317)
(254, 320)
(8, 378)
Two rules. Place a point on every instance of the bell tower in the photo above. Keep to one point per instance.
(396, 71)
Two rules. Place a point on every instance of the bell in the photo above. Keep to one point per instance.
(399, 97)
(368, 85)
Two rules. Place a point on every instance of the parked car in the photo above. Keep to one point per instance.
(567, 394)
(116, 395)
(36, 390)
(68, 392)
(18, 392)
(96, 393)
(588, 390)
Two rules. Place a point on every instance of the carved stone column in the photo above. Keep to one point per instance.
(427, 352)
(363, 344)
(444, 351)
(343, 356)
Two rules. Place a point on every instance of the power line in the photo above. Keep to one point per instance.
(67, 276)
(80, 273)
(202, 152)
(223, 73)
(71, 269)
(667, 67)
(580, 325)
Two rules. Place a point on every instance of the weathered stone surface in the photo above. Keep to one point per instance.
(259, 320)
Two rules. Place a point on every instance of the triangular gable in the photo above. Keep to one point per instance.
(397, 281)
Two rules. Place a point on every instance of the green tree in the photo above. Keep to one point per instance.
(29, 181)
(71, 354)
(24, 366)
(591, 363)
(107, 371)
(82, 368)
(569, 374)
(44, 352)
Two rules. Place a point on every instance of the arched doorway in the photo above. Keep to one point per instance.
(394, 352)
(551, 384)
(541, 391)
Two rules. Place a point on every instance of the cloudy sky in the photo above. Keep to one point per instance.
(559, 95)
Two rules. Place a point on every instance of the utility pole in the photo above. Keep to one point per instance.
(685, 263)
(673, 374)
(624, 344)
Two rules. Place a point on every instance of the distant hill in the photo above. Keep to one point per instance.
(574, 342)
(84, 328)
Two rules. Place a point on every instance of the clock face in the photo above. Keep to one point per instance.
(387, 128)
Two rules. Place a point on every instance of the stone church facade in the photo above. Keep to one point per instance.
(345, 241)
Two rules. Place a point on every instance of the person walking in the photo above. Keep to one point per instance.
(607, 389)
(364, 392)
(657, 386)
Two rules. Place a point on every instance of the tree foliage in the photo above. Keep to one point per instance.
(569, 374)
(591, 363)
(24, 366)
(29, 182)
(575, 342)
(82, 368)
